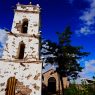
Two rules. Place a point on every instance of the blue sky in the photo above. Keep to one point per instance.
(55, 16)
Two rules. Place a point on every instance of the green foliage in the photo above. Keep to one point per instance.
(80, 89)
(72, 90)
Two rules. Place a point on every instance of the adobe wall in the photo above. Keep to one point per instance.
(51, 73)
(48, 75)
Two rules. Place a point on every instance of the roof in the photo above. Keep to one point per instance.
(48, 71)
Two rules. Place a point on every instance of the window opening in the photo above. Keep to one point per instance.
(24, 26)
(21, 50)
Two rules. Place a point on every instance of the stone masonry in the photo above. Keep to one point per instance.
(21, 53)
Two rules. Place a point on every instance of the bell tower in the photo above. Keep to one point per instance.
(26, 19)
(24, 36)
(21, 60)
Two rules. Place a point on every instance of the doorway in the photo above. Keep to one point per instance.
(52, 85)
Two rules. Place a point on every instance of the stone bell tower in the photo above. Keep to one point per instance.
(20, 65)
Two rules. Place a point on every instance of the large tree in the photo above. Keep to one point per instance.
(64, 55)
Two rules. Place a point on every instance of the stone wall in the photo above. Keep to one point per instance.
(28, 69)
(29, 12)
(27, 74)
(12, 47)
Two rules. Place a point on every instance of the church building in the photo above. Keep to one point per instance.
(20, 65)
(52, 84)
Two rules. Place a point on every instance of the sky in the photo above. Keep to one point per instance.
(55, 16)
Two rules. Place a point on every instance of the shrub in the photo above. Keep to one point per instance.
(80, 89)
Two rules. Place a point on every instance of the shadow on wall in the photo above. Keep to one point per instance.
(44, 89)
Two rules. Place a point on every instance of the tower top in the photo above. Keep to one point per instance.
(26, 19)
(28, 8)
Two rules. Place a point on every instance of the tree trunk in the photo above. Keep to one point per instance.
(62, 85)
(59, 84)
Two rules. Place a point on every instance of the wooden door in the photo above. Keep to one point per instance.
(11, 84)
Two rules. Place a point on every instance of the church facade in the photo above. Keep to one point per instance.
(51, 82)
(20, 65)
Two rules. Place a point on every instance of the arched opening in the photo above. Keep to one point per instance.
(11, 85)
(21, 50)
(24, 26)
(52, 85)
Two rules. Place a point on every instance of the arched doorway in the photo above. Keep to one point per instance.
(24, 26)
(21, 50)
(52, 85)
(11, 85)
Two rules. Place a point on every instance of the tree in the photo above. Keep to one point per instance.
(64, 55)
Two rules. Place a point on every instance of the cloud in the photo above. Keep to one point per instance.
(89, 15)
(3, 38)
(88, 19)
(88, 72)
(85, 30)
(89, 69)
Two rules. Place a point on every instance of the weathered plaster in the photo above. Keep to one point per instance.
(12, 46)
(28, 70)
(24, 74)
(33, 19)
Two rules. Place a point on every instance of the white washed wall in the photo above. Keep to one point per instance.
(10, 66)
(33, 21)
(24, 74)
(31, 48)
